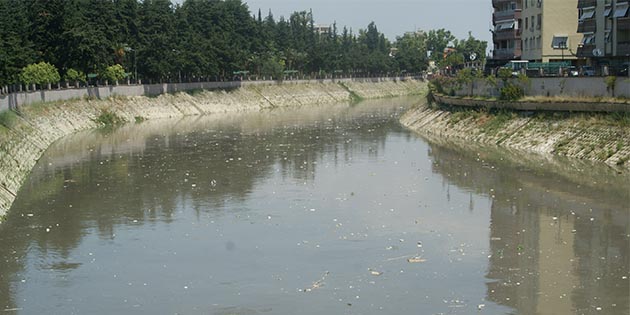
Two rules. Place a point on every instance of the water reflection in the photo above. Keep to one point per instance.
(241, 213)
(556, 246)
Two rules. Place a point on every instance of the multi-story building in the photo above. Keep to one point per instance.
(506, 38)
(549, 31)
(605, 29)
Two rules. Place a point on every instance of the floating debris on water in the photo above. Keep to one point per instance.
(416, 260)
(317, 284)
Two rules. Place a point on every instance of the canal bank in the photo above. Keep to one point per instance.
(603, 137)
(25, 137)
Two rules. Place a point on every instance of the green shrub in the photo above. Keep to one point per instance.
(114, 73)
(511, 92)
(75, 76)
(40, 73)
(7, 118)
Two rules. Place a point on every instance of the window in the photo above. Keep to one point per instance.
(526, 23)
(559, 41)
(533, 22)
(621, 10)
(587, 13)
(589, 39)
(607, 11)
(607, 36)
(539, 42)
(526, 44)
(539, 25)
(513, 6)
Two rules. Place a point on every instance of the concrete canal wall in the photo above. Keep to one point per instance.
(590, 87)
(25, 137)
(591, 136)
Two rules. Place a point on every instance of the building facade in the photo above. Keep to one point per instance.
(506, 32)
(550, 30)
(604, 26)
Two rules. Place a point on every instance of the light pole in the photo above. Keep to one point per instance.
(135, 68)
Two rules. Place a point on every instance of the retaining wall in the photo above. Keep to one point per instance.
(595, 87)
(40, 124)
(585, 136)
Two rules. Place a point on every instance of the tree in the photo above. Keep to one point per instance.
(16, 49)
(411, 52)
(471, 46)
(437, 41)
(40, 73)
(75, 76)
(114, 73)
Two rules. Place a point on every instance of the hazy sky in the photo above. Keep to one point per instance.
(392, 17)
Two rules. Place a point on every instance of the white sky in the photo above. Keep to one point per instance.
(392, 17)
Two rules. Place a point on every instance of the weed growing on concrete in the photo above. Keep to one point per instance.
(194, 92)
(497, 121)
(139, 119)
(108, 118)
(8, 118)
(354, 97)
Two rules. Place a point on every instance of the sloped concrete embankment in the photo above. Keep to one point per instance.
(38, 126)
(599, 137)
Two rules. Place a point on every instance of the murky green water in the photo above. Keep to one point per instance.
(324, 210)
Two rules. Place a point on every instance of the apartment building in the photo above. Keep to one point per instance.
(605, 29)
(506, 32)
(549, 30)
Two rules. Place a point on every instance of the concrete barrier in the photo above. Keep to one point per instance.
(594, 87)
(14, 100)
(534, 106)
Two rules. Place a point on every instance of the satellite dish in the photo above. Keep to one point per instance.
(597, 52)
(473, 56)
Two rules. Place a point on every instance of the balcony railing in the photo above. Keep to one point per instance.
(507, 53)
(507, 34)
(587, 26)
(496, 3)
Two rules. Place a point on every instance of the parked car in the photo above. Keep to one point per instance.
(588, 71)
(573, 71)
(623, 70)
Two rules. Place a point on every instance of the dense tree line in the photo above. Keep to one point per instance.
(199, 39)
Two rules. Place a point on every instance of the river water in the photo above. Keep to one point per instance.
(319, 210)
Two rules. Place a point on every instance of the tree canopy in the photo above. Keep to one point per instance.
(201, 39)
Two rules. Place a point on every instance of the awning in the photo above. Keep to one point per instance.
(587, 13)
(504, 26)
(560, 42)
(621, 10)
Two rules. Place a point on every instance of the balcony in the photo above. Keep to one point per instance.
(507, 34)
(586, 3)
(585, 51)
(506, 15)
(507, 53)
(496, 3)
(587, 26)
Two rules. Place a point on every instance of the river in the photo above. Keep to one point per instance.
(317, 210)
